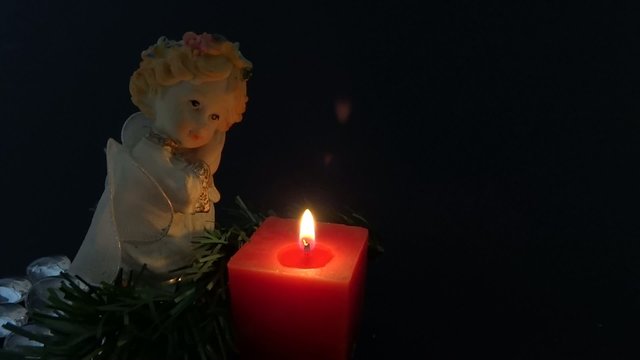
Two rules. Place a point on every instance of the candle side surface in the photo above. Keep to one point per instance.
(293, 313)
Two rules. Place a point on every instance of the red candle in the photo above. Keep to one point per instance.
(295, 295)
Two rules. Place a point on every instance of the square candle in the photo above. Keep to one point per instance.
(294, 302)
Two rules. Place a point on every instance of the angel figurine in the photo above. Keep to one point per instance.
(159, 192)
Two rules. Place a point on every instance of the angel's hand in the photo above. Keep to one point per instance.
(212, 151)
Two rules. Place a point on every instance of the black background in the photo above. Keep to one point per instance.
(492, 146)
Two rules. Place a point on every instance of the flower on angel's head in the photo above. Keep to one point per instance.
(200, 44)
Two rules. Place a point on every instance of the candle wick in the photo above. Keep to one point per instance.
(307, 245)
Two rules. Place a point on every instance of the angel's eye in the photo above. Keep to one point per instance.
(214, 117)
(195, 104)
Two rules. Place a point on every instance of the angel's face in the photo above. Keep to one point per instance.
(191, 113)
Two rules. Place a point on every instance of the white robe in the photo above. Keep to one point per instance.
(146, 212)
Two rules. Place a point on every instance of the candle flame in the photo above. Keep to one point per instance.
(307, 240)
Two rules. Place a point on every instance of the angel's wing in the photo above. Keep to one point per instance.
(99, 256)
(134, 129)
(141, 211)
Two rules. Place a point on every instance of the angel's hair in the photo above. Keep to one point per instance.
(195, 58)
